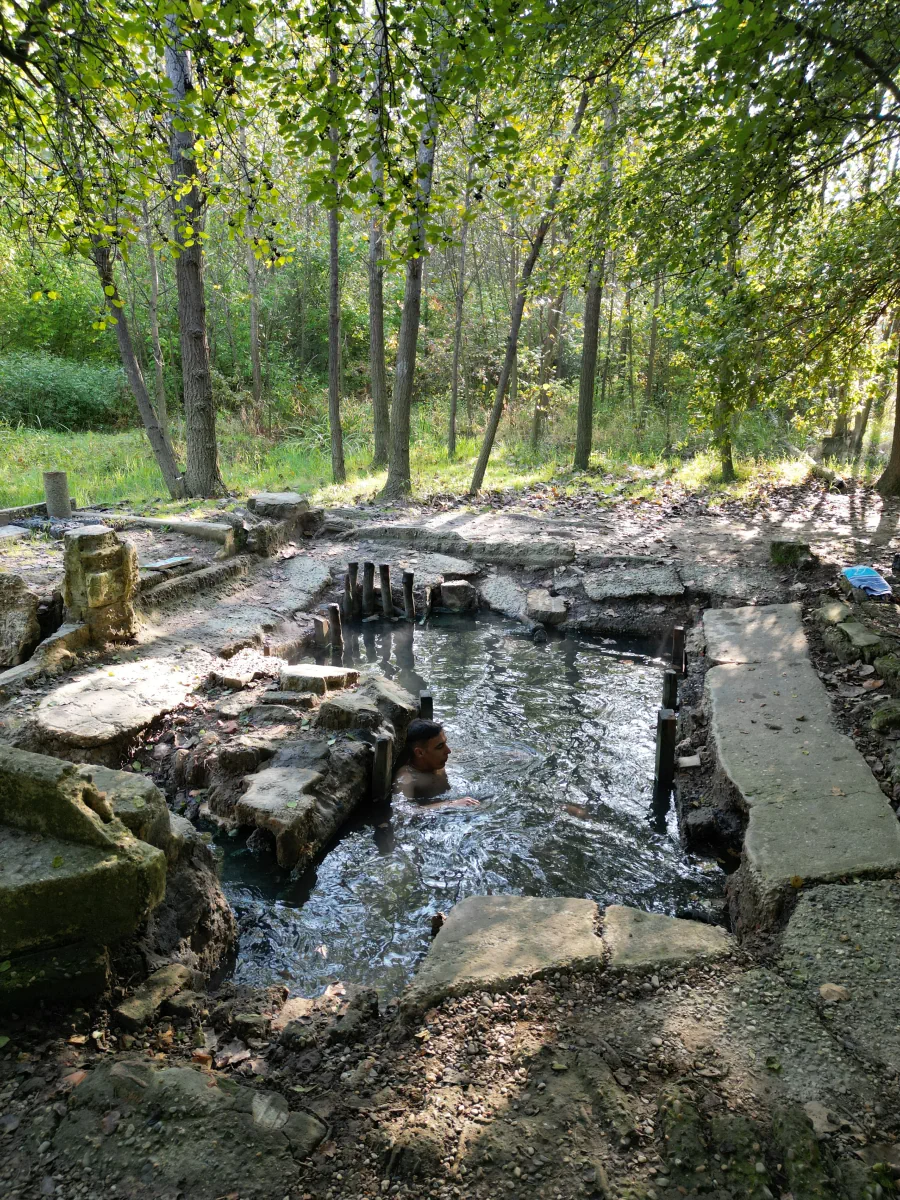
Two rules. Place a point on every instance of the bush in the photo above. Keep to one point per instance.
(44, 391)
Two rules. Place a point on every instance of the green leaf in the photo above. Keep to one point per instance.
(4, 1040)
(291, 804)
(5, 966)
(57, 861)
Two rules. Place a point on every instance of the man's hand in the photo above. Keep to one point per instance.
(463, 802)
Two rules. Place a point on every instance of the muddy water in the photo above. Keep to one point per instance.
(557, 744)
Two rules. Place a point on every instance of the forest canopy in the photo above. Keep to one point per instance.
(359, 224)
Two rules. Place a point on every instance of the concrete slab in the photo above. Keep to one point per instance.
(770, 633)
(12, 533)
(106, 707)
(306, 580)
(481, 537)
(626, 583)
(746, 585)
(642, 941)
(816, 812)
(850, 936)
(493, 943)
(503, 594)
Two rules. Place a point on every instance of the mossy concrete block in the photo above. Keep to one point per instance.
(136, 801)
(76, 972)
(375, 701)
(309, 677)
(888, 667)
(642, 941)
(833, 613)
(851, 640)
(141, 1007)
(885, 717)
(791, 554)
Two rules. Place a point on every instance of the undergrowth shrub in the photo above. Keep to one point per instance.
(45, 391)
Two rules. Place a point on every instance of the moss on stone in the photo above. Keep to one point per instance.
(885, 717)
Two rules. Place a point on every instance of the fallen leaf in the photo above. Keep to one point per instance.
(872, 684)
(836, 791)
(110, 1121)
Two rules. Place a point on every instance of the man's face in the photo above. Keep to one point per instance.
(433, 754)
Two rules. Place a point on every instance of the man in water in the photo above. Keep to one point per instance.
(423, 775)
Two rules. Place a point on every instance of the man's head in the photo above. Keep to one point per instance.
(426, 745)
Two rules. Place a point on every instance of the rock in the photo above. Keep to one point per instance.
(96, 716)
(282, 801)
(886, 717)
(888, 667)
(72, 876)
(444, 566)
(375, 701)
(791, 554)
(833, 613)
(308, 677)
(833, 993)
(277, 506)
(250, 1025)
(689, 762)
(457, 595)
(627, 583)
(136, 801)
(502, 594)
(12, 533)
(540, 606)
(274, 714)
(101, 582)
(291, 699)
(225, 1138)
(713, 830)
(851, 640)
(641, 941)
(185, 1005)
(493, 943)
(141, 1007)
(20, 629)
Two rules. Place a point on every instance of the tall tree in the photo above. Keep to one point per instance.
(381, 415)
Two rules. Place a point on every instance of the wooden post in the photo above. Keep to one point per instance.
(347, 602)
(665, 756)
(56, 494)
(320, 630)
(409, 600)
(387, 604)
(368, 589)
(426, 706)
(355, 590)
(382, 768)
(429, 604)
(334, 621)
(678, 660)
(670, 690)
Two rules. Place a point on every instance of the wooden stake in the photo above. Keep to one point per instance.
(334, 622)
(670, 690)
(409, 600)
(426, 706)
(678, 660)
(665, 756)
(387, 604)
(368, 589)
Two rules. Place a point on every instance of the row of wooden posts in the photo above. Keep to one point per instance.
(359, 602)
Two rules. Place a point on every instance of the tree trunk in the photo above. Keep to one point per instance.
(458, 320)
(512, 341)
(651, 351)
(607, 360)
(202, 476)
(399, 483)
(338, 474)
(157, 436)
(549, 348)
(162, 408)
(889, 483)
(592, 302)
(381, 416)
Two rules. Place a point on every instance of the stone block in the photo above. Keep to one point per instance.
(833, 613)
(755, 634)
(631, 583)
(851, 640)
(791, 554)
(544, 608)
(291, 699)
(377, 700)
(502, 594)
(277, 506)
(20, 630)
(144, 1004)
(101, 581)
(309, 677)
(888, 667)
(494, 943)
(458, 595)
(12, 533)
(78, 972)
(886, 717)
(642, 941)
(281, 801)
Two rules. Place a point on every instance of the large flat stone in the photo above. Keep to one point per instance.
(642, 941)
(377, 700)
(310, 677)
(849, 935)
(12, 533)
(483, 539)
(627, 583)
(747, 585)
(108, 706)
(816, 812)
(503, 594)
(757, 634)
(306, 580)
(493, 943)
(277, 505)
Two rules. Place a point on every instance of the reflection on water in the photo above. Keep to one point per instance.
(556, 741)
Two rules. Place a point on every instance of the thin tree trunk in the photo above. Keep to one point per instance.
(157, 436)
(253, 288)
(381, 415)
(514, 286)
(593, 300)
(512, 341)
(399, 482)
(162, 408)
(338, 473)
(458, 319)
(651, 352)
(549, 347)
(607, 361)
(202, 476)
(889, 483)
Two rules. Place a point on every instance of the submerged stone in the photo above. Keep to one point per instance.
(544, 608)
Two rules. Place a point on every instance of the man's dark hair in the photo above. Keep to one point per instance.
(421, 731)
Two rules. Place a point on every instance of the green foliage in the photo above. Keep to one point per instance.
(47, 392)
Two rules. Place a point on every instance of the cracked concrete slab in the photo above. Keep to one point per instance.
(771, 633)
(626, 583)
(642, 941)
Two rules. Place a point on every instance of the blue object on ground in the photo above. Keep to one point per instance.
(868, 580)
